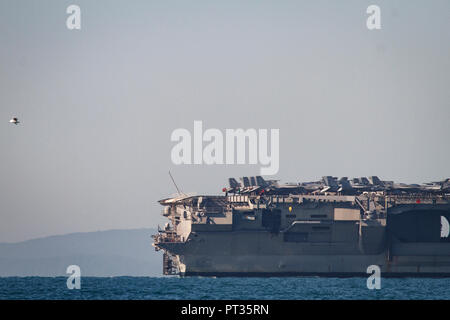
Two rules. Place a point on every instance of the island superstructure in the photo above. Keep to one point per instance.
(331, 227)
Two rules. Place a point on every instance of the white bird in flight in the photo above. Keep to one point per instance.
(15, 121)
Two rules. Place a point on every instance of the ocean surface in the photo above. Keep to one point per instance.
(310, 288)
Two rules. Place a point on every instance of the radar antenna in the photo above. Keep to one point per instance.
(173, 180)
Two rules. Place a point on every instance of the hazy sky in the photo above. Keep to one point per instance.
(98, 105)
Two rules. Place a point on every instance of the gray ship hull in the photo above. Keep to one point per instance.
(317, 265)
(228, 254)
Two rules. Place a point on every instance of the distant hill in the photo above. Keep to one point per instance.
(101, 253)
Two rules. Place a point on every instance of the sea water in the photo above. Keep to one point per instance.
(310, 288)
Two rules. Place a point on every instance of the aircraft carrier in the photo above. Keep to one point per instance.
(331, 227)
